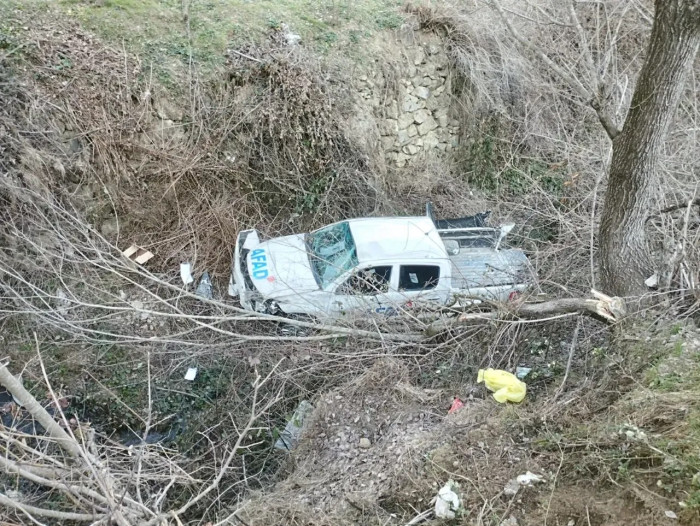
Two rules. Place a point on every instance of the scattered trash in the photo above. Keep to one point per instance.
(365, 443)
(457, 404)
(528, 478)
(447, 501)
(204, 287)
(137, 254)
(191, 374)
(292, 39)
(632, 433)
(514, 485)
(62, 301)
(652, 281)
(290, 435)
(670, 514)
(186, 273)
(505, 385)
(522, 372)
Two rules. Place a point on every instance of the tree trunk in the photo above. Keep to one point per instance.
(632, 185)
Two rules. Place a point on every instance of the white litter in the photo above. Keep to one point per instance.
(292, 431)
(191, 374)
(447, 501)
(652, 281)
(514, 485)
(528, 478)
(63, 301)
(137, 254)
(186, 273)
(522, 372)
(670, 514)
(204, 287)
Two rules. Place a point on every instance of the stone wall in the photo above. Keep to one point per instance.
(413, 108)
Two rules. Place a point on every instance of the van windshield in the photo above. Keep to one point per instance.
(331, 252)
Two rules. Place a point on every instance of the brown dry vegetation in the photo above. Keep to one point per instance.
(96, 153)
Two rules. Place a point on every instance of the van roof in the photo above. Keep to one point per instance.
(390, 238)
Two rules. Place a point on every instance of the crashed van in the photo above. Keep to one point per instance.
(379, 265)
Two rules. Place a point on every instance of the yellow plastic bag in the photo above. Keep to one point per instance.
(506, 386)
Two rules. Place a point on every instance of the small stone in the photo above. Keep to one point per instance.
(434, 103)
(403, 137)
(391, 126)
(439, 91)
(410, 149)
(419, 57)
(363, 78)
(454, 123)
(412, 130)
(433, 49)
(405, 120)
(411, 103)
(421, 116)
(427, 126)
(388, 142)
(443, 121)
(430, 140)
(442, 146)
(422, 92)
(401, 160)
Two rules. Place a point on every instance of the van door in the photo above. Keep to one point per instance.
(359, 293)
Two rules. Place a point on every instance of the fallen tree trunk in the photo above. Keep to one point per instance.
(610, 308)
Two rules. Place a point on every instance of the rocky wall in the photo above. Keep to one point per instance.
(411, 98)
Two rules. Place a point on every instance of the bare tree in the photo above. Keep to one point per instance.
(633, 181)
(633, 184)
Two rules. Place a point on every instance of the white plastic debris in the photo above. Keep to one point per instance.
(528, 479)
(652, 281)
(204, 288)
(514, 485)
(186, 273)
(62, 301)
(447, 501)
(632, 433)
(670, 514)
(191, 374)
(522, 372)
(291, 432)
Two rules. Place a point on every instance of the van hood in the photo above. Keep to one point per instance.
(280, 267)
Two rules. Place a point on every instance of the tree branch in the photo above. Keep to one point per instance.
(42, 512)
(592, 99)
(612, 309)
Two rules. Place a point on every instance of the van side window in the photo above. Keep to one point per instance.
(419, 277)
(367, 282)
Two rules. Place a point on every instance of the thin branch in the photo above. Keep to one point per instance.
(571, 80)
(42, 512)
